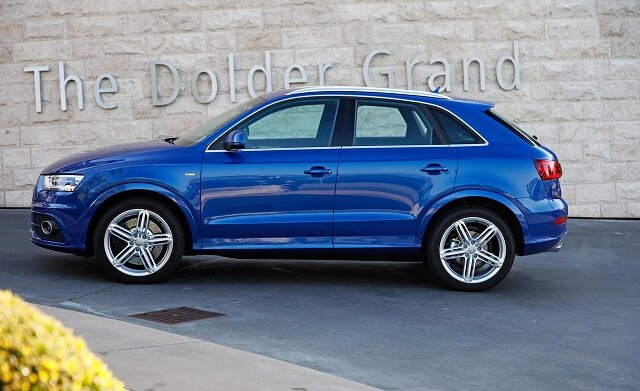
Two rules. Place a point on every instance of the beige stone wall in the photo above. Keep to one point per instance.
(580, 91)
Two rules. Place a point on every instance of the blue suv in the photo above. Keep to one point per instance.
(324, 173)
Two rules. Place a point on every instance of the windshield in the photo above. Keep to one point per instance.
(201, 131)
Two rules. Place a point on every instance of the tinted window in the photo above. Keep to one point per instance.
(300, 124)
(301, 121)
(455, 130)
(513, 128)
(380, 123)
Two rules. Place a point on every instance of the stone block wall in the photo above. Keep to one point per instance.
(579, 70)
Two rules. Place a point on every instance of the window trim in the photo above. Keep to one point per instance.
(460, 122)
(426, 107)
(351, 130)
(340, 130)
(274, 105)
(270, 133)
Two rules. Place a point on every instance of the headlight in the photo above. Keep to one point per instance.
(61, 182)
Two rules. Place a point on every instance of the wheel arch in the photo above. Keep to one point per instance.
(164, 196)
(506, 208)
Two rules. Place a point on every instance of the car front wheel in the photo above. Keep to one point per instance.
(138, 241)
(470, 249)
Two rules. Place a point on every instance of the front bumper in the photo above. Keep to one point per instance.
(65, 211)
(60, 238)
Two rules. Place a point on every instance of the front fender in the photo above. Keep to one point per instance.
(191, 215)
(512, 204)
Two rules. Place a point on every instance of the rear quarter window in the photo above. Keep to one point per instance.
(456, 131)
(513, 128)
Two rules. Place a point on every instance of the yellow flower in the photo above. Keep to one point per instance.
(6, 375)
(49, 364)
(44, 375)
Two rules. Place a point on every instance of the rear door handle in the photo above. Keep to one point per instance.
(318, 171)
(434, 169)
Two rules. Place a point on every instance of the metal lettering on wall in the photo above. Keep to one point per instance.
(106, 83)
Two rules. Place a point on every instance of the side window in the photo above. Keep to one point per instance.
(381, 123)
(307, 123)
(455, 131)
(292, 122)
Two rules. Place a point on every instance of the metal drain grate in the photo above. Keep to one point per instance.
(177, 315)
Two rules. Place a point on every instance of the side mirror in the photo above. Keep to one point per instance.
(235, 140)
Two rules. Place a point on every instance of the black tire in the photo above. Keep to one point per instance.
(438, 230)
(160, 209)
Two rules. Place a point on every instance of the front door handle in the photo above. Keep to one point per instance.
(434, 169)
(318, 171)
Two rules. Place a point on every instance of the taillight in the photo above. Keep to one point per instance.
(548, 169)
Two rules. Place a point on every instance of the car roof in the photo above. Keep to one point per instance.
(347, 89)
(422, 96)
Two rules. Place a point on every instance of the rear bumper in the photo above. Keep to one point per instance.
(557, 248)
(545, 240)
(544, 234)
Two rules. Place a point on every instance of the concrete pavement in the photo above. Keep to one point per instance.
(148, 359)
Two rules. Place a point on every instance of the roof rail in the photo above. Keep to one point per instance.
(366, 89)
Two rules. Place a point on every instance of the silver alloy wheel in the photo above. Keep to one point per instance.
(138, 242)
(472, 250)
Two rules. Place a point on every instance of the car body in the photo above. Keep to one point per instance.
(327, 172)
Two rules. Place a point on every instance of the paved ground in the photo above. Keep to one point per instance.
(147, 359)
(559, 321)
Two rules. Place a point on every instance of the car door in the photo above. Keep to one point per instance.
(394, 163)
(279, 190)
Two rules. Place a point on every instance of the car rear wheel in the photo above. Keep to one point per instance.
(470, 249)
(139, 241)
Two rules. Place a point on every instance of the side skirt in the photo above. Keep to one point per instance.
(352, 254)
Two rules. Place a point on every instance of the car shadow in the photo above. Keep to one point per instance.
(331, 273)
(227, 270)
(201, 269)
(212, 270)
